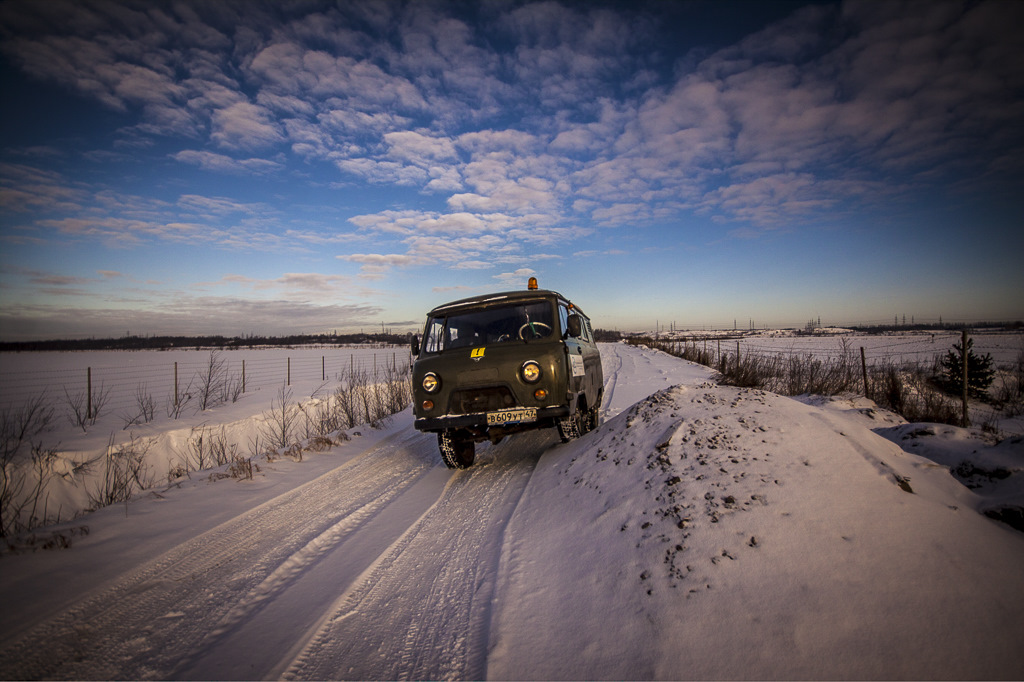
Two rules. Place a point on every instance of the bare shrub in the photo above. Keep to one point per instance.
(18, 425)
(124, 471)
(57, 539)
(750, 371)
(242, 468)
(318, 415)
(320, 444)
(144, 410)
(398, 386)
(258, 447)
(366, 398)
(208, 448)
(84, 408)
(345, 405)
(13, 479)
(1008, 395)
(177, 402)
(278, 431)
(23, 505)
(211, 382)
(23, 481)
(907, 390)
(294, 451)
(233, 388)
(176, 471)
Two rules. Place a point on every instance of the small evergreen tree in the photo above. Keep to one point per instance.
(979, 370)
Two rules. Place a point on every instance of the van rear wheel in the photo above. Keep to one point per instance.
(456, 453)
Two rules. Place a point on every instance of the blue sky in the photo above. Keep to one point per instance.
(270, 168)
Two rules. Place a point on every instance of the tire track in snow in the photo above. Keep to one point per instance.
(423, 609)
(188, 598)
(612, 359)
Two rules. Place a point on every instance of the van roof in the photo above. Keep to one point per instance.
(485, 300)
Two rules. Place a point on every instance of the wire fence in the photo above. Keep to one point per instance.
(121, 379)
(916, 376)
(921, 350)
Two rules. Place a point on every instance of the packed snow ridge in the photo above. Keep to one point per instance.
(702, 531)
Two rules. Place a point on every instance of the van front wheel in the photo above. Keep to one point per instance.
(571, 427)
(457, 453)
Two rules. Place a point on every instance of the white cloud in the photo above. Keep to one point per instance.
(517, 278)
(245, 126)
(384, 172)
(219, 205)
(378, 259)
(414, 147)
(186, 315)
(225, 164)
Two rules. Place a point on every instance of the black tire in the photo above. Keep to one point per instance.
(456, 453)
(571, 427)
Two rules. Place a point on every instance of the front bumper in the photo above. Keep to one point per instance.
(479, 420)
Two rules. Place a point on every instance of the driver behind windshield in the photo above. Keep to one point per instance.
(512, 323)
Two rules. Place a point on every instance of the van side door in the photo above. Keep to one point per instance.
(575, 364)
(594, 380)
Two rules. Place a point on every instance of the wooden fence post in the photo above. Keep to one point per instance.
(243, 375)
(289, 371)
(864, 371)
(88, 393)
(175, 384)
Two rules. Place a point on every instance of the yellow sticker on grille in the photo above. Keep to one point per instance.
(477, 353)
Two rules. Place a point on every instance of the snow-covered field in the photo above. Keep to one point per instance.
(905, 349)
(123, 375)
(702, 531)
(123, 380)
(917, 347)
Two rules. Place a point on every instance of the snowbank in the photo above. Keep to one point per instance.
(712, 532)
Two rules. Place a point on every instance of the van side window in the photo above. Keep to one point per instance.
(563, 319)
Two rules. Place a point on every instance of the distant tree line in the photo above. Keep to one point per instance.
(216, 342)
(940, 326)
(607, 336)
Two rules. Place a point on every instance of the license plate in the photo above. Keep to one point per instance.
(528, 414)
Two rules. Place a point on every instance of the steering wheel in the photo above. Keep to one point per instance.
(530, 325)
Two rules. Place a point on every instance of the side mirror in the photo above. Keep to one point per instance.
(415, 345)
(575, 326)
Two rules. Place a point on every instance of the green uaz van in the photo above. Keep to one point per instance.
(497, 364)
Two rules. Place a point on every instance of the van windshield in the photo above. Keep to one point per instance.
(505, 324)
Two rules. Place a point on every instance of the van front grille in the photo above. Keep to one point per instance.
(472, 400)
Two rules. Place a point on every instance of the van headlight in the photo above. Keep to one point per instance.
(530, 372)
(431, 383)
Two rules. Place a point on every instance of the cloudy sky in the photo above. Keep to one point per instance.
(243, 167)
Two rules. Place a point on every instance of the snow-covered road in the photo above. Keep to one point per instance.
(701, 531)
